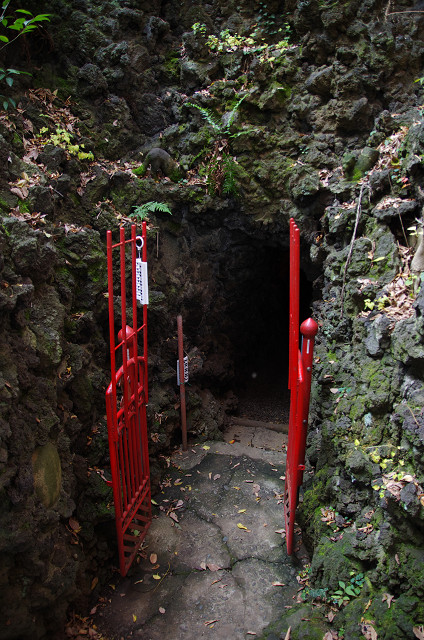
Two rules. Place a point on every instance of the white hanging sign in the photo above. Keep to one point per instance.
(141, 281)
(185, 362)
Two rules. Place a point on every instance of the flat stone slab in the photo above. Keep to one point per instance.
(214, 562)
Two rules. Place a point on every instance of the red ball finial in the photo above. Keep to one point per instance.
(309, 328)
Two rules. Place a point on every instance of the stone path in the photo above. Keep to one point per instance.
(215, 564)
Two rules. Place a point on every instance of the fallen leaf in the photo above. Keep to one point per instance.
(330, 616)
(153, 558)
(94, 583)
(134, 617)
(208, 622)
(213, 567)
(162, 610)
(75, 525)
(216, 476)
(174, 516)
(397, 558)
(241, 511)
(278, 584)
(241, 526)
(138, 581)
(203, 566)
(156, 576)
(387, 598)
(231, 441)
(368, 631)
(205, 447)
(287, 636)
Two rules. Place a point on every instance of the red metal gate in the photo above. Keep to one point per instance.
(126, 398)
(300, 371)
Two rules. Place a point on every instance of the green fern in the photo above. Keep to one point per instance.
(229, 185)
(220, 170)
(208, 116)
(233, 112)
(142, 211)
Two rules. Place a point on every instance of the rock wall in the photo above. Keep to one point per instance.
(305, 109)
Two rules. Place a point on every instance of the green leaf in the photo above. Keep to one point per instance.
(4, 39)
(9, 81)
(12, 102)
(208, 116)
(28, 13)
(342, 584)
(350, 591)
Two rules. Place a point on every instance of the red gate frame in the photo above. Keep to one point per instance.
(126, 400)
(300, 373)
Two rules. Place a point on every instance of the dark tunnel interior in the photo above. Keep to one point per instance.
(259, 329)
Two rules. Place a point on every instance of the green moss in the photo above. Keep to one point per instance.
(172, 64)
(23, 206)
(139, 171)
(47, 473)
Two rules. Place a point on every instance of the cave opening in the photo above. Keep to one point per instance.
(258, 316)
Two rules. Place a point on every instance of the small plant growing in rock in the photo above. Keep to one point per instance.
(348, 590)
(198, 28)
(142, 211)
(62, 138)
(221, 167)
(20, 25)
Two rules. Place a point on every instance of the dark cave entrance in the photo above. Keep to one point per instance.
(259, 315)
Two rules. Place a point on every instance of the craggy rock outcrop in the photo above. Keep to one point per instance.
(312, 110)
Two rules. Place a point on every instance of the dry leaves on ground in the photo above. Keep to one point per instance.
(368, 631)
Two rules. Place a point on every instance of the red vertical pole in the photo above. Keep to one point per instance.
(294, 301)
(111, 400)
(308, 329)
(144, 257)
(182, 383)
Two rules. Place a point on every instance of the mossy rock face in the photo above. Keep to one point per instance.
(47, 473)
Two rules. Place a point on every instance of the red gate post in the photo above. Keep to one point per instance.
(182, 381)
(126, 399)
(308, 329)
(300, 371)
(294, 301)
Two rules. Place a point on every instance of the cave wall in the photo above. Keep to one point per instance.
(332, 135)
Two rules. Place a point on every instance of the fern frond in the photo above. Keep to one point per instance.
(208, 116)
(234, 111)
(229, 184)
(143, 210)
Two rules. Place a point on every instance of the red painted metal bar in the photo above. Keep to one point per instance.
(300, 372)
(294, 301)
(309, 330)
(126, 399)
(182, 384)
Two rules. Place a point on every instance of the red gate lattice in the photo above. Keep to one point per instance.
(300, 372)
(126, 399)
